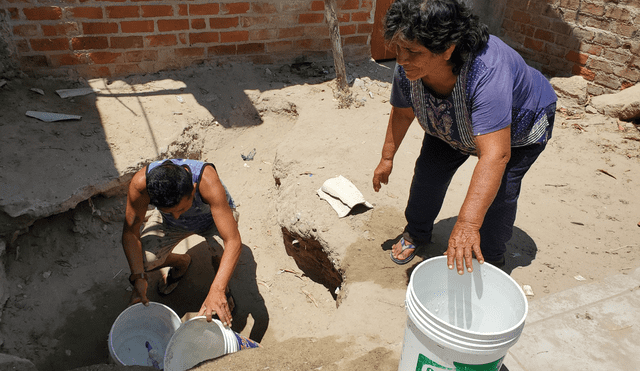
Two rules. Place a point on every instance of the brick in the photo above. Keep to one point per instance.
(58, 60)
(577, 58)
(592, 8)
(598, 23)
(348, 29)
(252, 48)
(582, 71)
(310, 18)
(221, 50)
(294, 6)
(189, 52)
(182, 38)
(560, 27)
(263, 34)
(285, 33)
(126, 42)
(536, 45)
(316, 31)
(607, 80)
(235, 8)
(624, 29)
(204, 37)
(617, 13)
(14, 13)
(60, 29)
(544, 35)
(555, 50)
(317, 6)
(616, 56)
(141, 55)
(570, 4)
(606, 39)
(99, 28)
(86, 12)
(127, 69)
(541, 22)
(219, 22)
(521, 17)
(160, 40)
(365, 28)
(157, 10)
(49, 44)
(33, 61)
(234, 36)
(279, 46)
(137, 26)
(173, 24)
(204, 9)
(42, 13)
(356, 40)
(348, 4)
(183, 10)
(366, 5)
(360, 16)
(312, 44)
(105, 57)
(198, 24)
(122, 11)
(255, 21)
(262, 59)
(22, 46)
(627, 73)
(89, 42)
(26, 30)
(263, 8)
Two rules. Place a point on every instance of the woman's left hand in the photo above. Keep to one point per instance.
(463, 242)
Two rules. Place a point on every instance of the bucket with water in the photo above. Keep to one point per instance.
(140, 334)
(197, 341)
(460, 322)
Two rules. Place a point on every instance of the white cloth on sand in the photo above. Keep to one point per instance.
(342, 195)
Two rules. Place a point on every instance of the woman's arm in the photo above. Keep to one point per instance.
(494, 152)
(399, 121)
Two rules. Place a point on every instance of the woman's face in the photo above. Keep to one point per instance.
(418, 62)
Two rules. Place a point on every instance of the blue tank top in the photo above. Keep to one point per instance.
(198, 218)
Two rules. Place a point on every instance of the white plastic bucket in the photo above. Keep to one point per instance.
(137, 325)
(460, 322)
(197, 341)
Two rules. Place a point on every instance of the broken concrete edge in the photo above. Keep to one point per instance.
(623, 105)
(13, 363)
(16, 220)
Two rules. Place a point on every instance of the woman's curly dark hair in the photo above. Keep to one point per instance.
(437, 24)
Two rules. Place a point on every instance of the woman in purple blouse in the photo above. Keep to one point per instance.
(474, 96)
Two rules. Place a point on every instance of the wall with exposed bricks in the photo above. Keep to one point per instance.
(102, 38)
(596, 39)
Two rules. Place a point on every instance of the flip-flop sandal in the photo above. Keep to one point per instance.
(405, 246)
(172, 282)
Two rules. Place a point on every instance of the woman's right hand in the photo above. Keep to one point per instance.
(381, 174)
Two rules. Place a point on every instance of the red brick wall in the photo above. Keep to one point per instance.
(596, 39)
(102, 38)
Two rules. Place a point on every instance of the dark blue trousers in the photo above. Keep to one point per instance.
(434, 169)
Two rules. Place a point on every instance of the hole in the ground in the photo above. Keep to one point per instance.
(313, 261)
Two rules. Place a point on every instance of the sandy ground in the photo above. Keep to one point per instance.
(66, 275)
